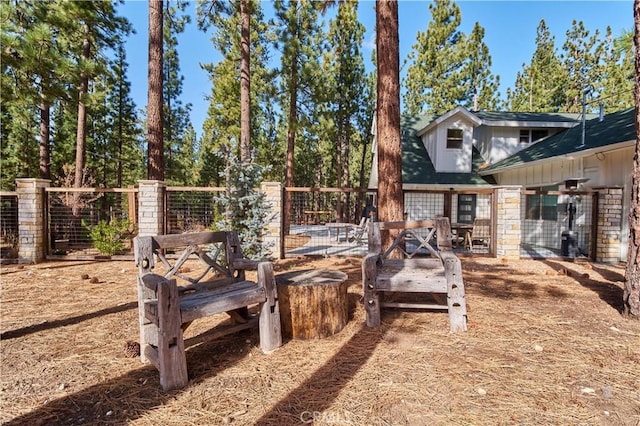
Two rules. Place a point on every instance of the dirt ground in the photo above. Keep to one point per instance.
(546, 345)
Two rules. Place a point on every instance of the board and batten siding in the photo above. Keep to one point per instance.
(450, 160)
(605, 169)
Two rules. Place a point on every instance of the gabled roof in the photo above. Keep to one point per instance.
(439, 119)
(417, 168)
(616, 128)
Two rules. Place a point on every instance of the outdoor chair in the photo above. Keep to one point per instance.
(480, 235)
(357, 232)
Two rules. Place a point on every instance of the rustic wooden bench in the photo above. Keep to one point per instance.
(215, 283)
(421, 269)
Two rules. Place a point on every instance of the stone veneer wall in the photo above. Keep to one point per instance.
(609, 225)
(273, 234)
(151, 207)
(508, 232)
(31, 225)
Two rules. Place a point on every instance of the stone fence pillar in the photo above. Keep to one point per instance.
(31, 223)
(151, 207)
(609, 225)
(273, 232)
(508, 232)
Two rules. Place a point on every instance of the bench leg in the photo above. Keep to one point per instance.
(269, 322)
(456, 303)
(371, 296)
(172, 361)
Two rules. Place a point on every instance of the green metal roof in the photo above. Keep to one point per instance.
(615, 128)
(417, 167)
(542, 117)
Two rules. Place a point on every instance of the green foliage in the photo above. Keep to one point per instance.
(245, 207)
(222, 123)
(433, 82)
(107, 236)
(539, 87)
(178, 133)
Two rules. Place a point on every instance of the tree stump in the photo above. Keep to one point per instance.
(313, 303)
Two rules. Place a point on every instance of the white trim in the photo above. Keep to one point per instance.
(457, 110)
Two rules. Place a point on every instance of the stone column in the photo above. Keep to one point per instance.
(151, 207)
(273, 233)
(508, 232)
(31, 220)
(609, 225)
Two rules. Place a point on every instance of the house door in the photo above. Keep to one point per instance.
(466, 208)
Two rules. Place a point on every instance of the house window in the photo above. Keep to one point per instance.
(532, 135)
(466, 208)
(542, 206)
(454, 138)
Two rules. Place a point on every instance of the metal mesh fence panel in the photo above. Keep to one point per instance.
(557, 224)
(192, 209)
(326, 222)
(8, 225)
(74, 213)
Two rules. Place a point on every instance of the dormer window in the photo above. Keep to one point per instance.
(454, 138)
(532, 135)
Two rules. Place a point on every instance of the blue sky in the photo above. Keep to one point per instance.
(510, 31)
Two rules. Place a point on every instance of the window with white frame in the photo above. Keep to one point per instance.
(532, 135)
(454, 138)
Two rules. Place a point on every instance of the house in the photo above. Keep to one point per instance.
(600, 156)
(464, 152)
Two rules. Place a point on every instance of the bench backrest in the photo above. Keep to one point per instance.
(422, 233)
(219, 250)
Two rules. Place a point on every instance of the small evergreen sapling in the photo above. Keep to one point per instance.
(245, 207)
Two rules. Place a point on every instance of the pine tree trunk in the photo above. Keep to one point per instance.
(81, 130)
(245, 82)
(631, 296)
(390, 195)
(45, 151)
(155, 166)
(291, 140)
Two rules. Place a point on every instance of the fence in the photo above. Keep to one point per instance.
(319, 213)
(73, 213)
(8, 225)
(51, 222)
(558, 223)
(191, 209)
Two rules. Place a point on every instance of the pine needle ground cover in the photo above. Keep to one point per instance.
(546, 345)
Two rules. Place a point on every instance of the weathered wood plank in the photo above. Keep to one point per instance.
(203, 307)
(183, 240)
(171, 357)
(270, 324)
(455, 293)
(412, 283)
(413, 305)
(371, 295)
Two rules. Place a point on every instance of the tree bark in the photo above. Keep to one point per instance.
(155, 165)
(631, 295)
(45, 151)
(390, 195)
(81, 130)
(291, 142)
(245, 81)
